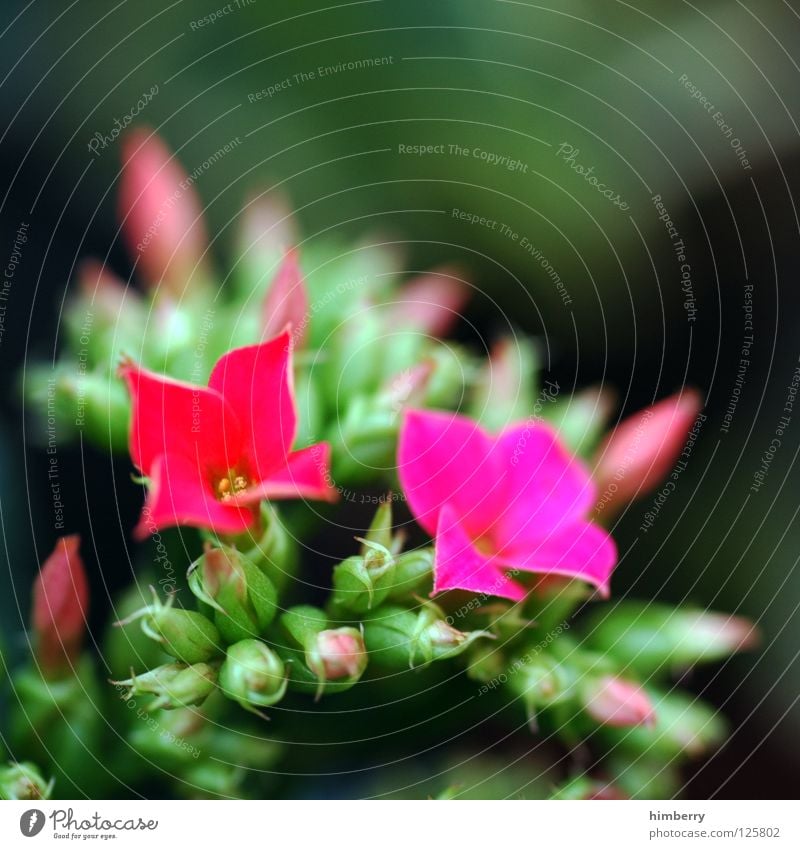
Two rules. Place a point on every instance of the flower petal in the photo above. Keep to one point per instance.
(305, 475)
(447, 459)
(458, 565)
(180, 494)
(170, 417)
(546, 484)
(256, 381)
(575, 549)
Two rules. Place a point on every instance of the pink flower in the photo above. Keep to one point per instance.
(213, 453)
(498, 504)
(60, 607)
(640, 452)
(160, 213)
(621, 704)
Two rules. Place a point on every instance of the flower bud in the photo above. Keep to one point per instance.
(582, 418)
(540, 681)
(647, 637)
(244, 599)
(60, 608)
(683, 726)
(100, 407)
(486, 663)
(161, 215)
(170, 739)
(431, 303)
(505, 389)
(267, 231)
(613, 701)
(397, 637)
(275, 552)
(287, 302)
(366, 441)
(358, 582)
(184, 634)
(337, 654)
(323, 659)
(253, 675)
(23, 781)
(174, 685)
(129, 648)
(105, 317)
(412, 572)
(640, 452)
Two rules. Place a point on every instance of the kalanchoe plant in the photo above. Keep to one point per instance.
(260, 410)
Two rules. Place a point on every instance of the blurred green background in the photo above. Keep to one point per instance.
(697, 104)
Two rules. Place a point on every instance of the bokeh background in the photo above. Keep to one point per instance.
(628, 85)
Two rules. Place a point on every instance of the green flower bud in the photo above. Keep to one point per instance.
(56, 721)
(540, 681)
(378, 573)
(101, 408)
(253, 675)
(486, 663)
(175, 685)
(184, 634)
(23, 781)
(356, 580)
(647, 637)
(242, 596)
(129, 648)
(644, 777)
(275, 552)
(397, 637)
(505, 389)
(168, 738)
(582, 419)
(302, 623)
(411, 572)
(206, 779)
(309, 407)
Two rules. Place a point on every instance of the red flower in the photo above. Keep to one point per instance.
(213, 453)
(60, 607)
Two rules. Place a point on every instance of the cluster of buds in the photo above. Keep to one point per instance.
(330, 384)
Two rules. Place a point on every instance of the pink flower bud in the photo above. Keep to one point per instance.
(341, 653)
(287, 301)
(621, 704)
(107, 293)
(60, 607)
(641, 451)
(160, 213)
(431, 303)
(267, 231)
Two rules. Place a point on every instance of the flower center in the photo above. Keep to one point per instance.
(231, 485)
(485, 546)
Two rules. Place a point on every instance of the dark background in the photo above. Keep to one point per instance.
(510, 78)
